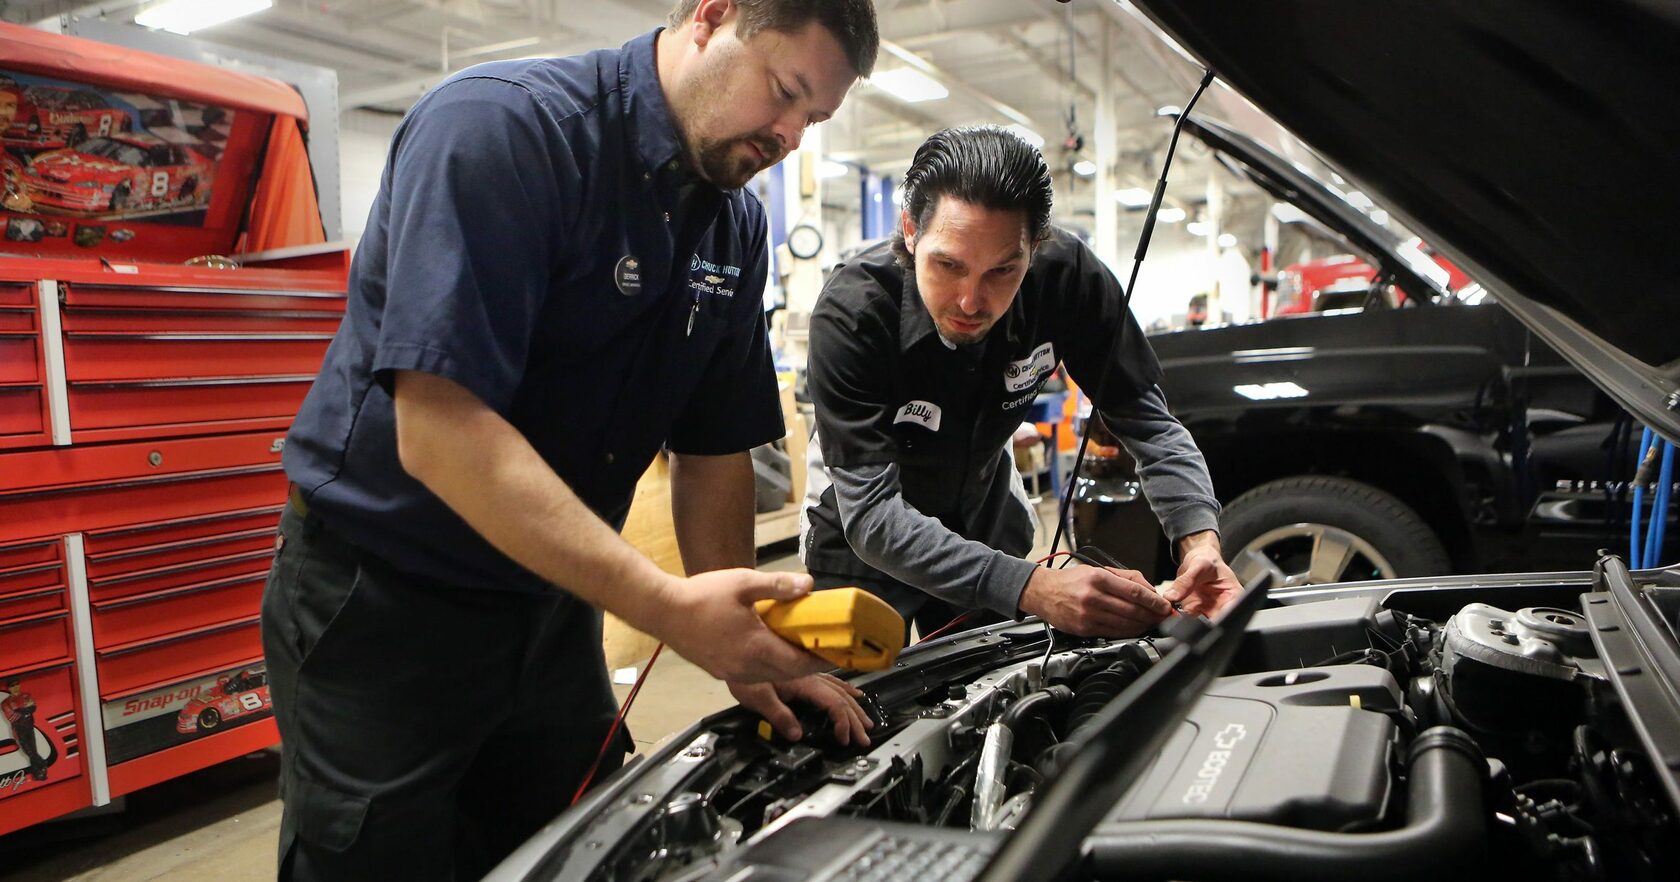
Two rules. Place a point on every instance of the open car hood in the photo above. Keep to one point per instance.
(1533, 144)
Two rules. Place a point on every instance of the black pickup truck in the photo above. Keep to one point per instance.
(1437, 436)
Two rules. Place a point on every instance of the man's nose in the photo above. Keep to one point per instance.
(789, 130)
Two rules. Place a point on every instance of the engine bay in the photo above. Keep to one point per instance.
(1381, 735)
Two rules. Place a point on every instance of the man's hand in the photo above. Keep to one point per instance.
(825, 691)
(1094, 601)
(709, 620)
(1205, 584)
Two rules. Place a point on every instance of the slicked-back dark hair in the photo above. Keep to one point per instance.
(987, 166)
(852, 22)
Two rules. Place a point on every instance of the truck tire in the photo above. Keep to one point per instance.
(1313, 530)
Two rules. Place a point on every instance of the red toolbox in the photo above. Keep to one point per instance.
(144, 404)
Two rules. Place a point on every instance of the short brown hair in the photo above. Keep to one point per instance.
(852, 22)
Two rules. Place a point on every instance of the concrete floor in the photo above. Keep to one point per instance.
(222, 823)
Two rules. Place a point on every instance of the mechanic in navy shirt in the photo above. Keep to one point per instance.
(926, 352)
(561, 274)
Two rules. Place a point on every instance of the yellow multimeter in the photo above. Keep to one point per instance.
(847, 626)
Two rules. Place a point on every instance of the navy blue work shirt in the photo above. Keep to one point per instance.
(538, 240)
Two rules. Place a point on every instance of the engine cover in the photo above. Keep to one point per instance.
(1304, 748)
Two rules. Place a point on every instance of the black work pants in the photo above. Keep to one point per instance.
(426, 729)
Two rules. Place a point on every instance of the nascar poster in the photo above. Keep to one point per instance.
(79, 160)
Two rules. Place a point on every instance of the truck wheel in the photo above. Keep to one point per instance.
(1315, 530)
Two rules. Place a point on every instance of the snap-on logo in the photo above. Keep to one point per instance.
(1025, 374)
(277, 445)
(1213, 765)
(924, 413)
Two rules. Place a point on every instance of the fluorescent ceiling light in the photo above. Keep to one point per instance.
(909, 85)
(1132, 197)
(1084, 168)
(1269, 391)
(898, 197)
(1027, 135)
(1226, 240)
(828, 168)
(1167, 110)
(1170, 215)
(186, 16)
(1198, 228)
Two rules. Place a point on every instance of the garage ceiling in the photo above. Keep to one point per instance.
(1003, 60)
(1037, 63)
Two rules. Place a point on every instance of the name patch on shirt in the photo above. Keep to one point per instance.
(923, 413)
(1025, 374)
(627, 275)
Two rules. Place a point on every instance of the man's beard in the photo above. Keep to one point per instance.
(718, 162)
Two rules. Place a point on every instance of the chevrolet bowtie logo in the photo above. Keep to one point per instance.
(632, 265)
(714, 280)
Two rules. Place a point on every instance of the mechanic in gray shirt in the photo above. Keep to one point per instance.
(925, 354)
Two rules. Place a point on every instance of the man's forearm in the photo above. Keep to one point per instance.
(713, 504)
(488, 473)
(889, 534)
(1171, 468)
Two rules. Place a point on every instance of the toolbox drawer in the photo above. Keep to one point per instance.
(29, 603)
(175, 402)
(30, 579)
(16, 294)
(110, 357)
(35, 639)
(181, 575)
(26, 553)
(20, 359)
(186, 551)
(138, 666)
(151, 298)
(119, 503)
(17, 321)
(199, 321)
(177, 610)
(22, 412)
(106, 545)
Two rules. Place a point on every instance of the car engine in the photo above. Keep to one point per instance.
(1376, 735)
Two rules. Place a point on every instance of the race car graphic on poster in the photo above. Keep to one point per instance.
(84, 151)
(136, 725)
(243, 693)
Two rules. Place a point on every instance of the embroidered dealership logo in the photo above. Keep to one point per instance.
(628, 276)
(923, 413)
(719, 279)
(1026, 373)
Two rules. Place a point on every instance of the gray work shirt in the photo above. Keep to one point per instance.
(911, 474)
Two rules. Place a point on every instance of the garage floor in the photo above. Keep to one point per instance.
(223, 822)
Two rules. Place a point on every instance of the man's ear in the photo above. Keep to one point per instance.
(908, 229)
(709, 16)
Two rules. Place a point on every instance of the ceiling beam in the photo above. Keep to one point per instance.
(1050, 67)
